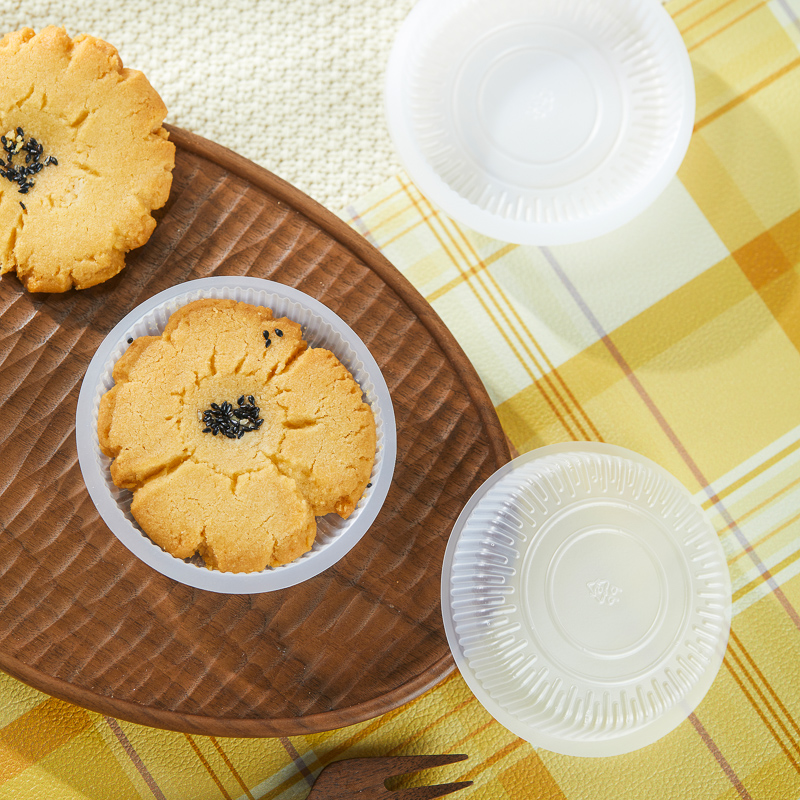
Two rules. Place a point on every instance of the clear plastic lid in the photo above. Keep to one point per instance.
(544, 122)
(586, 599)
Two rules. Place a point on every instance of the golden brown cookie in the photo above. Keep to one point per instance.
(234, 435)
(85, 159)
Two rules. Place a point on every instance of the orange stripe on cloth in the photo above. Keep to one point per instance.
(230, 766)
(419, 733)
(726, 26)
(417, 223)
(735, 640)
(769, 262)
(37, 733)
(748, 587)
(739, 99)
(301, 765)
(502, 328)
(701, 20)
(721, 760)
(754, 703)
(493, 758)
(754, 473)
(680, 448)
(282, 787)
(459, 744)
(387, 219)
(530, 771)
(550, 367)
(490, 259)
(764, 503)
(774, 532)
(361, 733)
(687, 7)
(379, 203)
(208, 767)
(763, 260)
(332, 755)
(135, 758)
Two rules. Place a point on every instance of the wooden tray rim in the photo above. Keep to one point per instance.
(244, 727)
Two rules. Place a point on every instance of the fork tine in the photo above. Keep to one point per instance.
(428, 792)
(343, 779)
(405, 765)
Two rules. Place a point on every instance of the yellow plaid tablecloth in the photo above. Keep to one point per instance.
(677, 336)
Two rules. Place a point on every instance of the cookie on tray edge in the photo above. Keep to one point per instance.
(98, 159)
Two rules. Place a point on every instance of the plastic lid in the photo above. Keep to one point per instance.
(586, 599)
(540, 123)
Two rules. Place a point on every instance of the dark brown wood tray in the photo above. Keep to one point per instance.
(83, 619)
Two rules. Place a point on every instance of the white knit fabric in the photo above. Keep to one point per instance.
(294, 85)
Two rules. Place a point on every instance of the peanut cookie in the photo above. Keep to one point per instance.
(84, 159)
(234, 435)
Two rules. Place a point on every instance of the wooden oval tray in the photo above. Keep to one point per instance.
(84, 620)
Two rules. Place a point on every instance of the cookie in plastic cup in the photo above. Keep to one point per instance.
(586, 599)
(321, 328)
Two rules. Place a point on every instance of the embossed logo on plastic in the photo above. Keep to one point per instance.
(604, 592)
(542, 104)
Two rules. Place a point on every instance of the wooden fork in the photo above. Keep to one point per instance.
(365, 778)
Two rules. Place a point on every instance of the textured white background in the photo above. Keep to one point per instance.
(294, 85)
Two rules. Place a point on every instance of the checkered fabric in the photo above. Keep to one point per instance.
(677, 336)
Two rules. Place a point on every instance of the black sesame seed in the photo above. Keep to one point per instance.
(268, 343)
(368, 485)
(23, 205)
(19, 175)
(232, 423)
(251, 399)
(130, 340)
(265, 334)
(278, 332)
(54, 161)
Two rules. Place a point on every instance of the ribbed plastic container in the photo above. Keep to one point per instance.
(544, 122)
(321, 328)
(586, 599)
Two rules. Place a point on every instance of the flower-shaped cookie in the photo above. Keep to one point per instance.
(234, 436)
(84, 156)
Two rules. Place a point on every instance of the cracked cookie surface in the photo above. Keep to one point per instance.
(102, 123)
(248, 500)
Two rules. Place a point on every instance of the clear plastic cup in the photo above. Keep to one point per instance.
(322, 328)
(546, 122)
(586, 599)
